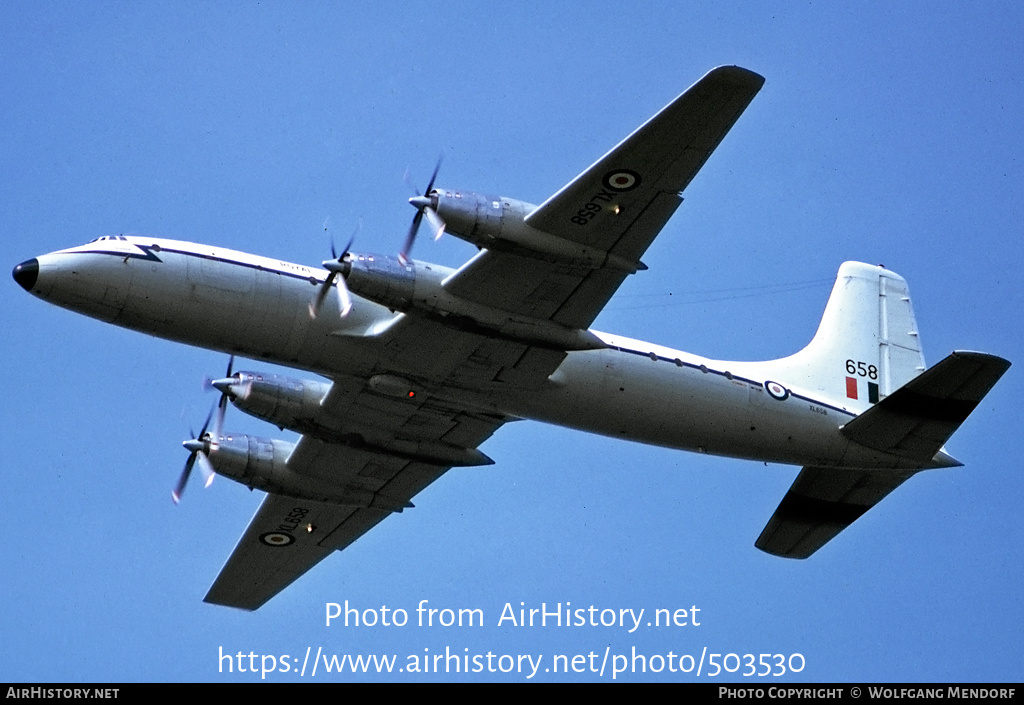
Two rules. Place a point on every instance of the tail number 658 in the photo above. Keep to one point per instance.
(861, 369)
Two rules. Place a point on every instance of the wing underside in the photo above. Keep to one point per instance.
(398, 449)
(284, 540)
(626, 198)
(821, 503)
(380, 450)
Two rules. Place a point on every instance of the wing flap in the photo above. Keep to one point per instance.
(821, 503)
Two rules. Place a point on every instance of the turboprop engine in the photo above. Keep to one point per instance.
(499, 223)
(493, 223)
(418, 288)
(262, 464)
(283, 401)
(295, 404)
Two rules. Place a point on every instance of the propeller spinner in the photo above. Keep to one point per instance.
(338, 268)
(426, 206)
(199, 447)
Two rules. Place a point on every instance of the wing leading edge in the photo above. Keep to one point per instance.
(649, 169)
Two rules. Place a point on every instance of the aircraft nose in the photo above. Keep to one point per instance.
(26, 273)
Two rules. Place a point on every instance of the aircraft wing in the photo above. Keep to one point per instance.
(395, 444)
(618, 206)
(399, 448)
(279, 547)
(821, 503)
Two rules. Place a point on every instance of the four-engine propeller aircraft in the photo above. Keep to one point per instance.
(425, 362)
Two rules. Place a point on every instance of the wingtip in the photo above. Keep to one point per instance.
(943, 459)
(995, 360)
(738, 74)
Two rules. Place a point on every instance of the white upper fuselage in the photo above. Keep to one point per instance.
(257, 307)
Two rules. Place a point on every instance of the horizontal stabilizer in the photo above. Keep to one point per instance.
(821, 503)
(916, 420)
(913, 422)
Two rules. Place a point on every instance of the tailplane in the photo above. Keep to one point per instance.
(866, 356)
(914, 422)
(917, 419)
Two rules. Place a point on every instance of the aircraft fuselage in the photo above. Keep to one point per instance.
(257, 307)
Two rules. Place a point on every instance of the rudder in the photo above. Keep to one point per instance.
(867, 344)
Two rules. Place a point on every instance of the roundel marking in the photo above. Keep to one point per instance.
(621, 180)
(776, 390)
(277, 539)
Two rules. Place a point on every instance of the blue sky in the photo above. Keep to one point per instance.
(882, 134)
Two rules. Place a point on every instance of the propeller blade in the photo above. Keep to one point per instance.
(183, 480)
(195, 446)
(437, 168)
(351, 240)
(218, 426)
(206, 467)
(335, 266)
(403, 256)
(246, 389)
(321, 295)
(224, 386)
(345, 297)
(206, 423)
(423, 205)
(435, 222)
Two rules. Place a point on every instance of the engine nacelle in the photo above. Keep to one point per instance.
(295, 404)
(499, 223)
(262, 463)
(478, 218)
(390, 282)
(283, 401)
(259, 463)
(418, 287)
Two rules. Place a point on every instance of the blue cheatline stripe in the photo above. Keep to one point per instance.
(150, 256)
(650, 355)
(728, 375)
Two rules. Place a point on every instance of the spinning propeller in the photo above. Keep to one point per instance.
(225, 385)
(199, 446)
(338, 268)
(425, 205)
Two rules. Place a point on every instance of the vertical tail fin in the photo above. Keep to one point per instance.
(867, 345)
(867, 356)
